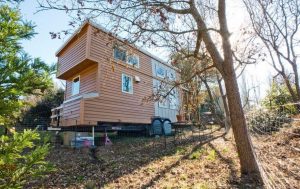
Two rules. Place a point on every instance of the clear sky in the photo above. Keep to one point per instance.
(53, 21)
(47, 21)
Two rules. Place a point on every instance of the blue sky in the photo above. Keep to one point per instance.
(54, 21)
(46, 21)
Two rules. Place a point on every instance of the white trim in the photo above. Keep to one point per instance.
(57, 108)
(90, 95)
(84, 96)
(130, 92)
(53, 129)
(73, 98)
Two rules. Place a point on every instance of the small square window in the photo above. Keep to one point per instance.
(133, 60)
(127, 86)
(75, 85)
(119, 54)
(171, 75)
(160, 72)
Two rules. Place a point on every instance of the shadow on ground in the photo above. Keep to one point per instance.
(145, 163)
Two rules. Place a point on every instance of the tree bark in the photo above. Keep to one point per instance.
(224, 100)
(248, 160)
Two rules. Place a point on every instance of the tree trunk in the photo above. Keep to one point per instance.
(248, 161)
(211, 98)
(224, 99)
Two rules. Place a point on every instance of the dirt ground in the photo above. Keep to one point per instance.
(208, 161)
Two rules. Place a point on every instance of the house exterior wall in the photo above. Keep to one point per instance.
(113, 104)
(88, 82)
(74, 54)
(163, 111)
(101, 75)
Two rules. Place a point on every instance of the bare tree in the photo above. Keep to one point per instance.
(177, 24)
(276, 23)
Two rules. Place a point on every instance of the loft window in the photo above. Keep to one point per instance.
(133, 60)
(119, 54)
(75, 85)
(127, 86)
(160, 72)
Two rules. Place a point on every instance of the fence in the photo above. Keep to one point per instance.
(275, 138)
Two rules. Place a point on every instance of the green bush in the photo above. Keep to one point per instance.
(22, 158)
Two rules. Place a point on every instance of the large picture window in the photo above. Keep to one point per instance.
(75, 85)
(127, 86)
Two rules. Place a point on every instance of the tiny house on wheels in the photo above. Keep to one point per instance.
(107, 81)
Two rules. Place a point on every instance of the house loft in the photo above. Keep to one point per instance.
(106, 81)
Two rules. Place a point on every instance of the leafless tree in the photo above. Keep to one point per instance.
(179, 24)
(276, 23)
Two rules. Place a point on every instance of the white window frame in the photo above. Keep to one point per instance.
(126, 57)
(160, 67)
(131, 91)
(72, 86)
(138, 59)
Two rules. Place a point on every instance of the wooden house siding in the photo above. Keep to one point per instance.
(71, 113)
(90, 56)
(113, 104)
(74, 54)
(88, 82)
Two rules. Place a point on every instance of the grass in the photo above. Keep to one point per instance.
(211, 155)
(134, 162)
(196, 154)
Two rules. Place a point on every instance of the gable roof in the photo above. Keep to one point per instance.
(99, 27)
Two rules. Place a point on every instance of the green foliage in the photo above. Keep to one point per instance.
(277, 96)
(38, 113)
(197, 154)
(212, 155)
(20, 74)
(21, 159)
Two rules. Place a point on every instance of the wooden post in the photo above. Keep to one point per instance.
(75, 135)
(93, 133)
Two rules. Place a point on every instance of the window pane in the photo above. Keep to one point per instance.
(160, 71)
(75, 86)
(119, 54)
(126, 84)
(173, 99)
(133, 60)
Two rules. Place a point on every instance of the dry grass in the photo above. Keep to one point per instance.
(145, 163)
